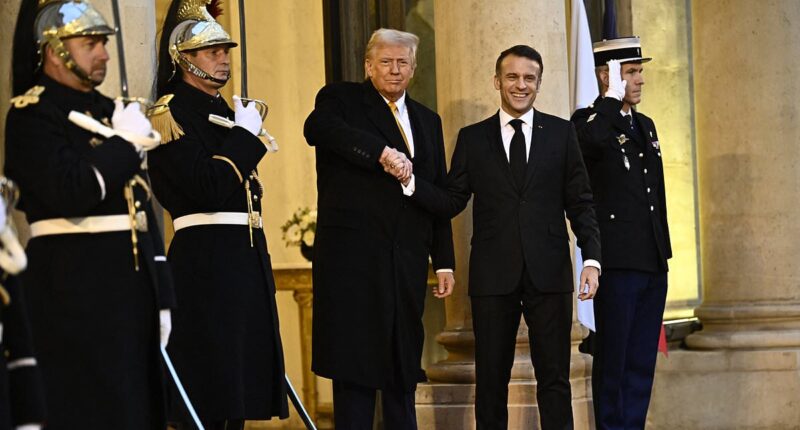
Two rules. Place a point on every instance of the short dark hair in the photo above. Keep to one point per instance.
(520, 51)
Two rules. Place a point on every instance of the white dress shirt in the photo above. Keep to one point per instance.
(405, 122)
(507, 131)
(402, 111)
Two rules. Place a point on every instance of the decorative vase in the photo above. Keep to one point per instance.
(306, 251)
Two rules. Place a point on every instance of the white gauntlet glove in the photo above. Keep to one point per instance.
(132, 125)
(616, 86)
(247, 117)
(165, 325)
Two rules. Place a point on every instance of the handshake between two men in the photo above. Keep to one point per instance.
(396, 164)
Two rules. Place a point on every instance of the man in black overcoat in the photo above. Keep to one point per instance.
(372, 241)
(525, 171)
(622, 153)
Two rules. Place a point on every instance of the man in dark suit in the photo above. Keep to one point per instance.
(373, 241)
(525, 170)
(621, 151)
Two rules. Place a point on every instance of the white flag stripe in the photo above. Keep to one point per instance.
(583, 89)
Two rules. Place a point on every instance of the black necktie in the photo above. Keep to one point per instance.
(629, 118)
(517, 157)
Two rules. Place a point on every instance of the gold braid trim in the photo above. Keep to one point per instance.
(233, 165)
(163, 121)
(31, 97)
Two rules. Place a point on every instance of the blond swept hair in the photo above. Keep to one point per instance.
(390, 36)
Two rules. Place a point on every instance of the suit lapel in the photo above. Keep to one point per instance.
(537, 137)
(495, 139)
(422, 139)
(381, 116)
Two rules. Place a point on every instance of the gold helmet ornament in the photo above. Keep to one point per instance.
(196, 29)
(57, 20)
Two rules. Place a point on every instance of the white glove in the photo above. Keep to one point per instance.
(616, 86)
(29, 427)
(139, 142)
(130, 119)
(247, 117)
(165, 325)
(132, 125)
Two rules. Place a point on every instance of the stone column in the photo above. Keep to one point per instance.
(743, 369)
(469, 37)
(138, 29)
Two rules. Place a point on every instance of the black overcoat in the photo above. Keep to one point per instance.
(225, 342)
(630, 197)
(94, 317)
(372, 243)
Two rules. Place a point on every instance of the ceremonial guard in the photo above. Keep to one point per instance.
(97, 276)
(226, 344)
(21, 395)
(622, 153)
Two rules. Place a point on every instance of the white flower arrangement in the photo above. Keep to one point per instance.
(299, 230)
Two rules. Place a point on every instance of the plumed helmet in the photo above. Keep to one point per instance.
(49, 22)
(190, 25)
(65, 19)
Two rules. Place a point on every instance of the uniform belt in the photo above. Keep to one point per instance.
(209, 218)
(89, 224)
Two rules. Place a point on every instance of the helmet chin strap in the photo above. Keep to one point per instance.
(63, 54)
(200, 73)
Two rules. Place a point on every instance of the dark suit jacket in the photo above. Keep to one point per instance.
(631, 202)
(372, 243)
(515, 228)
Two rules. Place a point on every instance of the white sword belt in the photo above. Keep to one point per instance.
(89, 224)
(210, 218)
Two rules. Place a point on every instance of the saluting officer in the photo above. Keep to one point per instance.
(226, 343)
(97, 276)
(21, 395)
(623, 155)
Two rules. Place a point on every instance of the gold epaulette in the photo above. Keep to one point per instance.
(162, 120)
(31, 97)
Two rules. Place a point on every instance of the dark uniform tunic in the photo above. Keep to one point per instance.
(94, 317)
(21, 394)
(631, 202)
(225, 341)
(623, 157)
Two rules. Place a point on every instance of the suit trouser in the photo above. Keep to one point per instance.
(495, 320)
(628, 309)
(354, 407)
